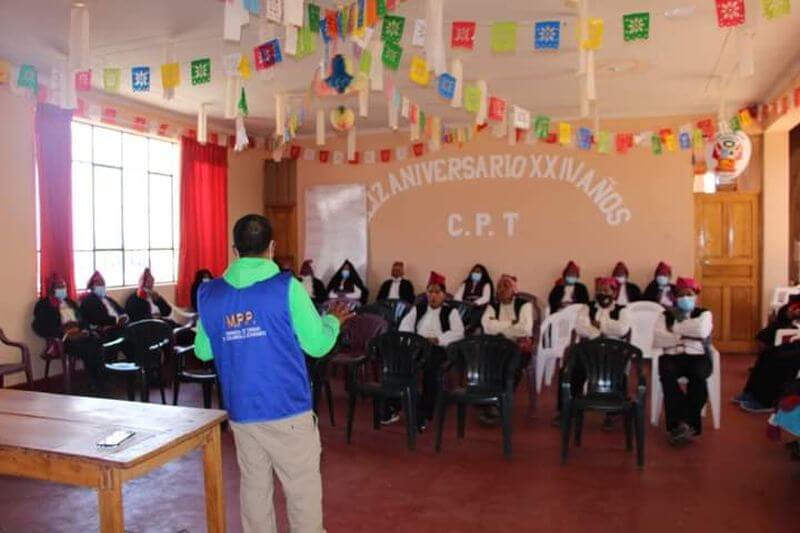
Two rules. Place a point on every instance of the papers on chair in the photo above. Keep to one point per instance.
(787, 336)
(123, 365)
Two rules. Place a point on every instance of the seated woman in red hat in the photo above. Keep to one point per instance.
(57, 316)
(661, 290)
(684, 334)
(313, 285)
(145, 302)
(778, 361)
(101, 311)
(441, 325)
(568, 290)
(628, 292)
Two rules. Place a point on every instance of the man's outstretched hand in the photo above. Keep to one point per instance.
(341, 312)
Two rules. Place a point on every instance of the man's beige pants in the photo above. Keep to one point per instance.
(291, 448)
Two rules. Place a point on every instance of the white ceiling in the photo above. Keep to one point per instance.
(673, 71)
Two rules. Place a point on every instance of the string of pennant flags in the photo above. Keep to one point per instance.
(375, 30)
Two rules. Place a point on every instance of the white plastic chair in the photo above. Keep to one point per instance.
(714, 383)
(555, 336)
(780, 296)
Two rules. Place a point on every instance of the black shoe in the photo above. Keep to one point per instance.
(390, 417)
(422, 426)
(680, 435)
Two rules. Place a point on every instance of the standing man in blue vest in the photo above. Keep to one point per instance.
(256, 323)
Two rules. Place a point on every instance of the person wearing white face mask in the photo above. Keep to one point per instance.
(100, 310)
(628, 292)
(313, 285)
(347, 284)
(397, 287)
(568, 290)
(477, 288)
(684, 333)
(661, 290)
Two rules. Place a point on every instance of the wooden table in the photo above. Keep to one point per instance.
(52, 437)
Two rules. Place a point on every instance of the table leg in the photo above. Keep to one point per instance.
(212, 469)
(109, 499)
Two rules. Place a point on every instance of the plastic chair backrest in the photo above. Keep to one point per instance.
(605, 362)
(147, 337)
(781, 295)
(398, 354)
(360, 329)
(557, 328)
(377, 309)
(644, 316)
(488, 361)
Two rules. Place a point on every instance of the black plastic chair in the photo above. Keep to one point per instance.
(399, 358)
(204, 374)
(146, 342)
(605, 363)
(320, 382)
(486, 365)
(392, 311)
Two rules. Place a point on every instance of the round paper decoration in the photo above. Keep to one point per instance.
(728, 156)
(342, 118)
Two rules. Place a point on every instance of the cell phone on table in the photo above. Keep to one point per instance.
(115, 439)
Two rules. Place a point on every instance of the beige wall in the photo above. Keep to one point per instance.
(557, 220)
(245, 185)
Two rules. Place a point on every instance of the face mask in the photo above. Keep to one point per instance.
(345, 274)
(662, 280)
(99, 290)
(61, 293)
(622, 280)
(571, 280)
(686, 303)
(475, 277)
(604, 300)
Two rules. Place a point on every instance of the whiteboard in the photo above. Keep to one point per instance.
(336, 228)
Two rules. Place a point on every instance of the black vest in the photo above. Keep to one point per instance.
(444, 316)
(518, 303)
(593, 308)
(669, 315)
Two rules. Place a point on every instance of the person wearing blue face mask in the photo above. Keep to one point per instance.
(683, 332)
(99, 310)
(56, 316)
(346, 284)
(477, 288)
(628, 292)
(568, 290)
(661, 290)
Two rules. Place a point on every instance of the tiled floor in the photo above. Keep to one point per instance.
(731, 480)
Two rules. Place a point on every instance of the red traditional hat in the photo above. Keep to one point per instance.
(620, 267)
(146, 280)
(607, 282)
(96, 279)
(510, 279)
(571, 267)
(50, 287)
(401, 263)
(306, 269)
(688, 283)
(663, 269)
(436, 279)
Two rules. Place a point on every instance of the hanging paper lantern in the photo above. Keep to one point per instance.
(339, 78)
(342, 118)
(727, 157)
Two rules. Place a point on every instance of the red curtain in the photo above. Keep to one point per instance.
(54, 161)
(204, 213)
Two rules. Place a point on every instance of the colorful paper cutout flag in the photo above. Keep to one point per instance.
(564, 133)
(603, 142)
(706, 126)
(140, 79)
(775, 8)
(28, 78)
(624, 142)
(306, 44)
(636, 26)
(268, 54)
(542, 126)
(386, 155)
(274, 10)
(391, 55)
(242, 105)
(655, 143)
(685, 140)
(463, 35)
(331, 24)
(698, 141)
(497, 108)
(472, 98)
(418, 149)
(170, 75)
(547, 35)
(244, 67)
(380, 8)
(365, 63)
(419, 72)
(112, 78)
(420, 32)
(253, 6)
(447, 86)
(313, 17)
(730, 13)
(5, 71)
(201, 71)
(83, 80)
(594, 38)
(736, 125)
(393, 27)
(745, 118)
(504, 37)
(584, 138)
(521, 118)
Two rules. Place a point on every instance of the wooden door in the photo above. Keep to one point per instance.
(728, 232)
(280, 207)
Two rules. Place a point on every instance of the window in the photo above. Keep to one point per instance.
(124, 205)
